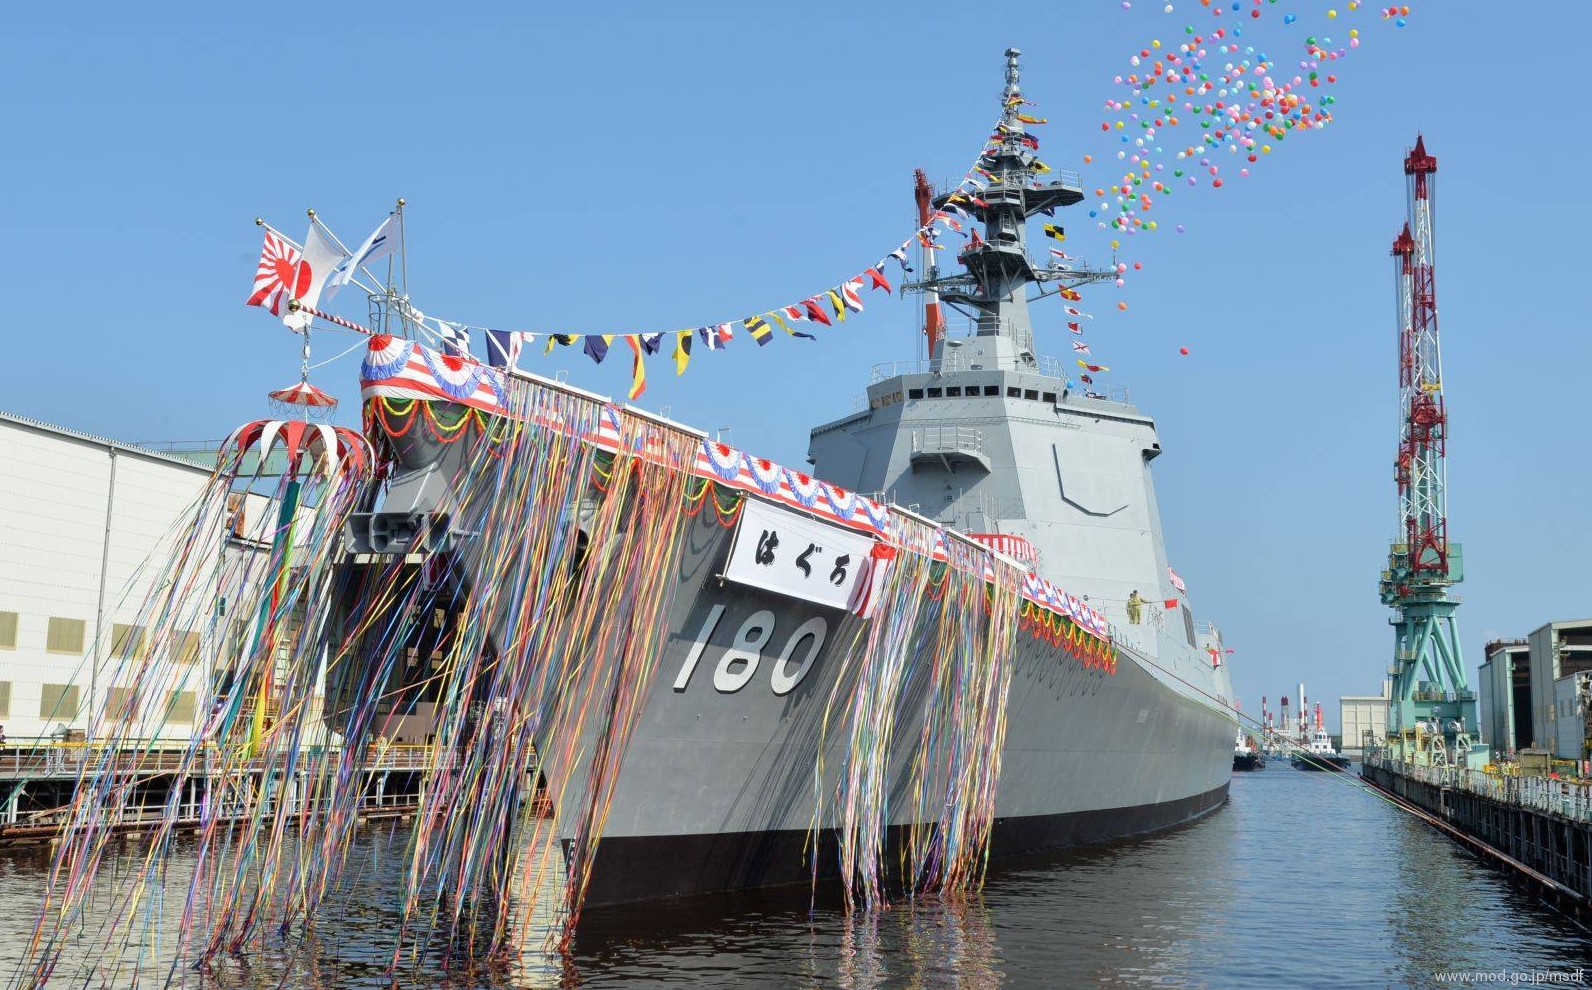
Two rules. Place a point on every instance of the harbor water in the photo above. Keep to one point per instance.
(1302, 880)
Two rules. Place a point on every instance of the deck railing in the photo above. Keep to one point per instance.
(66, 759)
(1570, 798)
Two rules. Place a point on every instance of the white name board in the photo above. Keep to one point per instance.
(792, 554)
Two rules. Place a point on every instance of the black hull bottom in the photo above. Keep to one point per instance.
(1320, 763)
(643, 868)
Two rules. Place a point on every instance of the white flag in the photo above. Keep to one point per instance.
(321, 257)
(381, 242)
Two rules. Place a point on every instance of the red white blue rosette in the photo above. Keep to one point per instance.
(455, 376)
(878, 514)
(840, 500)
(803, 488)
(385, 358)
(723, 459)
(765, 474)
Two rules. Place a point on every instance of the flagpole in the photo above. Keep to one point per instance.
(403, 262)
(299, 307)
(260, 222)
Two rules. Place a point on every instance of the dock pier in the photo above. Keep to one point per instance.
(1537, 828)
(37, 785)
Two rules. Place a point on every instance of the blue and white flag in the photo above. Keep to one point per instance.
(455, 339)
(382, 242)
(503, 348)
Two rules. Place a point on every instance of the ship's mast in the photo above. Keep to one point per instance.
(933, 319)
(993, 291)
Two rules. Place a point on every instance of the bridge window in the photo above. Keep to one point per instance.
(1013, 393)
(914, 393)
(935, 393)
(953, 392)
(994, 390)
(1049, 397)
(1031, 394)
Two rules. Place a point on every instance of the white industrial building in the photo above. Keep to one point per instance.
(1557, 650)
(79, 516)
(1572, 699)
(1362, 719)
(1503, 691)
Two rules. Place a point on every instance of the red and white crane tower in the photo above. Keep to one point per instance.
(1423, 448)
(1432, 709)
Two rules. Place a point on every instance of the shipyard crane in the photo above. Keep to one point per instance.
(1433, 710)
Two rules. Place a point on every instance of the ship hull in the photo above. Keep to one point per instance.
(731, 774)
(638, 868)
(720, 789)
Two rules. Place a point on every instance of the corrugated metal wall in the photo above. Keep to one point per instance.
(61, 525)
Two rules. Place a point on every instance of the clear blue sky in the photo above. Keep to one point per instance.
(618, 167)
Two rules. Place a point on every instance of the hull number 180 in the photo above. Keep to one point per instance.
(740, 662)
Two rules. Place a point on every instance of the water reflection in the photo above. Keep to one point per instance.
(1302, 880)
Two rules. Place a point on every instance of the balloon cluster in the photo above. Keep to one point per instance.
(1225, 95)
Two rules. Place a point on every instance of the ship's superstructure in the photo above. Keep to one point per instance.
(988, 437)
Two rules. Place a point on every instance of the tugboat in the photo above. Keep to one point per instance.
(1321, 755)
(1245, 755)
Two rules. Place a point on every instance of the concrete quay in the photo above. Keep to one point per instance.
(1537, 828)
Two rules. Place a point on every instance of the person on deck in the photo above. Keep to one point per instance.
(1135, 608)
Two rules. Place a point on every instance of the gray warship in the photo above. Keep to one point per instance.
(985, 442)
